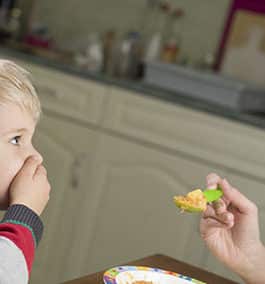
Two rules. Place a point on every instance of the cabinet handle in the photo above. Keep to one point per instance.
(49, 91)
(76, 170)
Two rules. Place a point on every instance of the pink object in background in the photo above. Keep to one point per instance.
(34, 40)
(255, 6)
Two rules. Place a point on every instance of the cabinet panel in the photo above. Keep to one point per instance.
(218, 141)
(68, 152)
(111, 199)
(67, 94)
(136, 215)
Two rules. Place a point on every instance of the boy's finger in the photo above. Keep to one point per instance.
(40, 171)
(236, 198)
(30, 165)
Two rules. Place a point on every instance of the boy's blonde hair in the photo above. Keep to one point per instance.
(16, 87)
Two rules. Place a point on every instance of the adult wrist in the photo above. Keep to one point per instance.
(254, 273)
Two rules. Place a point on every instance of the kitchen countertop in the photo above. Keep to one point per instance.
(256, 120)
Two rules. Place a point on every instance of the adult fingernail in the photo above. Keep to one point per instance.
(211, 185)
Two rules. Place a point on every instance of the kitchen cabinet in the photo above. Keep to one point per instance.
(136, 214)
(68, 150)
(218, 141)
(115, 160)
(65, 94)
(233, 150)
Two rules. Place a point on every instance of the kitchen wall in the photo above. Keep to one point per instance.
(72, 21)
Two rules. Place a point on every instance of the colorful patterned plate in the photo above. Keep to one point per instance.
(138, 274)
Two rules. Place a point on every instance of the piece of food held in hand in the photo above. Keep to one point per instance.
(196, 200)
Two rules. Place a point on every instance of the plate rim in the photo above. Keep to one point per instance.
(109, 275)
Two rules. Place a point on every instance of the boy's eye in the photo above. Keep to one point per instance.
(15, 140)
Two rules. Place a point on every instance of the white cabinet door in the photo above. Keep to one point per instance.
(68, 152)
(218, 141)
(135, 214)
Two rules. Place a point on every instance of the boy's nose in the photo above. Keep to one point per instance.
(37, 154)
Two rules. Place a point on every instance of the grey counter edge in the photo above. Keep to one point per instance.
(256, 120)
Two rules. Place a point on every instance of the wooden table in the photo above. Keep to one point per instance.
(163, 262)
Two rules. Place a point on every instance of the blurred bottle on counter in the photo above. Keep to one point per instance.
(109, 52)
(148, 27)
(94, 53)
(112, 53)
(137, 53)
(130, 56)
(9, 19)
(4, 11)
(91, 57)
(153, 47)
(122, 55)
(14, 23)
(172, 38)
(205, 62)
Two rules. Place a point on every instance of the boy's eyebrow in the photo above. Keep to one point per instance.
(15, 130)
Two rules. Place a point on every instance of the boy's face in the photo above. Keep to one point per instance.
(16, 131)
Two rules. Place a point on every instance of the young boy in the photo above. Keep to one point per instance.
(230, 229)
(24, 187)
